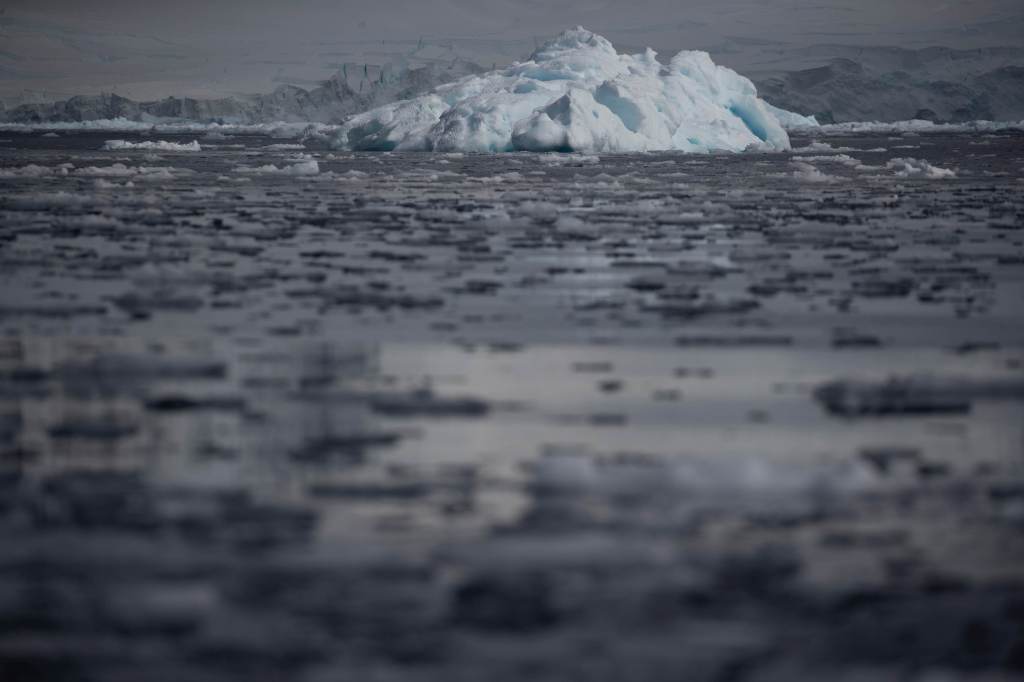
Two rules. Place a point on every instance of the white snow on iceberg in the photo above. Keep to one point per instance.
(577, 94)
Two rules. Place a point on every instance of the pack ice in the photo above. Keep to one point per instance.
(577, 94)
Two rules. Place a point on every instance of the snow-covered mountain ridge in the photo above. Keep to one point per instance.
(331, 102)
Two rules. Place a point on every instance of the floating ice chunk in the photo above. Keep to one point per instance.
(100, 183)
(157, 145)
(32, 171)
(353, 175)
(119, 170)
(805, 172)
(913, 394)
(114, 170)
(913, 126)
(823, 147)
(691, 480)
(577, 94)
(790, 120)
(306, 130)
(844, 159)
(279, 129)
(918, 168)
(308, 167)
(818, 148)
(47, 200)
(120, 123)
(568, 159)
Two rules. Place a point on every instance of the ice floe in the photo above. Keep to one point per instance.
(119, 170)
(824, 147)
(31, 171)
(806, 172)
(918, 168)
(116, 170)
(905, 127)
(844, 159)
(306, 167)
(212, 131)
(152, 145)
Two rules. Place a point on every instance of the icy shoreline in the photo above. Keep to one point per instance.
(278, 129)
(291, 130)
(911, 126)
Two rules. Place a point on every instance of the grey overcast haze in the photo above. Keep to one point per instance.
(56, 48)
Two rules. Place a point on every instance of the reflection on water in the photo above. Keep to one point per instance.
(308, 509)
(602, 422)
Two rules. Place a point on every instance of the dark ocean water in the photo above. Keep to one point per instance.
(558, 417)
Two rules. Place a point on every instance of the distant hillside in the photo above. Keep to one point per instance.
(333, 100)
(834, 83)
(889, 84)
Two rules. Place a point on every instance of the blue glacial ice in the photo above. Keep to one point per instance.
(576, 93)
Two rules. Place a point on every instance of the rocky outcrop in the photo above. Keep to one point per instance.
(892, 84)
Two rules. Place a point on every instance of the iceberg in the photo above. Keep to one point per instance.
(576, 93)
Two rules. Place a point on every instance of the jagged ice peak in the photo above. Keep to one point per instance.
(576, 93)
